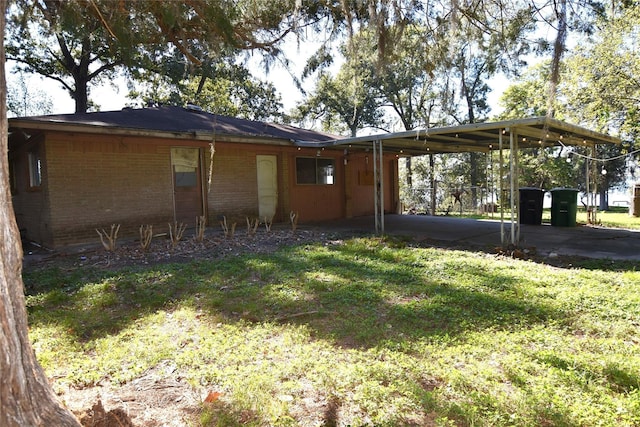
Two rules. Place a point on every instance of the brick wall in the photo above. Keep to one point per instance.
(30, 205)
(93, 181)
(234, 190)
(96, 181)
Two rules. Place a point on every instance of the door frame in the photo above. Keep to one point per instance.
(201, 179)
(275, 158)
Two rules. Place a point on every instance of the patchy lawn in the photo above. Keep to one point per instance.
(333, 331)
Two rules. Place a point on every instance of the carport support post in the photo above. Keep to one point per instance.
(515, 195)
(591, 168)
(587, 184)
(501, 171)
(378, 188)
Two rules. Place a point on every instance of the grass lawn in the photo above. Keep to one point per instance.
(357, 332)
(615, 217)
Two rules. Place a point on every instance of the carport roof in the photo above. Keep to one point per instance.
(480, 137)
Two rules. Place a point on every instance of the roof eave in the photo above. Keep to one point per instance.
(195, 135)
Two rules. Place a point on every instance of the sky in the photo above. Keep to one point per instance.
(113, 96)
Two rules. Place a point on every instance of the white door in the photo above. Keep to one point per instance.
(267, 186)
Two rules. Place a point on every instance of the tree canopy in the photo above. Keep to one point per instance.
(80, 43)
(225, 89)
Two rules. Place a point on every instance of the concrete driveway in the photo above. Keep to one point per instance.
(587, 241)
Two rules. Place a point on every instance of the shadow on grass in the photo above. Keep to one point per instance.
(361, 294)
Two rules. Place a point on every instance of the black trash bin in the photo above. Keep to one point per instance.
(564, 207)
(531, 199)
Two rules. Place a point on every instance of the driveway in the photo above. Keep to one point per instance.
(587, 241)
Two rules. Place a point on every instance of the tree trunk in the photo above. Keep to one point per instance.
(604, 199)
(80, 95)
(558, 49)
(409, 170)
(474, 177)
(26, 398)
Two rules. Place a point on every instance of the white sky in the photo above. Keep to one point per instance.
(113, 96)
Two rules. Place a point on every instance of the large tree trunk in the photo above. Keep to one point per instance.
(26, 398)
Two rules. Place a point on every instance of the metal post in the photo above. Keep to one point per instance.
(501, 170)
(490, 186)
(512, 148)
(432, 170)
(381, 175)
(594, 169)
(587, 185)
(596, 205)
(375, 188)
(516, 181)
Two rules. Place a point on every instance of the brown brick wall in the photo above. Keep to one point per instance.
(234, 189)
(93, 181)
(96, 181)
(30, 205)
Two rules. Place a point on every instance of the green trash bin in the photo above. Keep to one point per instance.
(531, 199)
(564, 207)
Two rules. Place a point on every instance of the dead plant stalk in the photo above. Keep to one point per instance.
(109, 239)
(268, 222)
(146, 235)
(201, 223)
(228, 231)
(175, 232)
(293, 216)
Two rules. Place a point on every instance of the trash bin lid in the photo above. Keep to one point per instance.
(564, 189)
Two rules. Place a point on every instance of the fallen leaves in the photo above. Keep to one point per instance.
(213, 396)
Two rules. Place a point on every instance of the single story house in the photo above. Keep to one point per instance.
(74, 173)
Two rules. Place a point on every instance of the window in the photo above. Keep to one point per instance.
(312, 170)
(186, 179)
(185, 166)
(35, 169)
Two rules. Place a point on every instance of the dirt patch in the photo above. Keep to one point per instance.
(98, 417)
(214, 245)
(160, 397)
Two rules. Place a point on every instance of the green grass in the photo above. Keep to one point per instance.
(363, 332)
(615, 217)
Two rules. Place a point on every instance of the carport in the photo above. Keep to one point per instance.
(511, 135)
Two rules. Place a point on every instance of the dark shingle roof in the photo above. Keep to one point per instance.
(181, 120)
